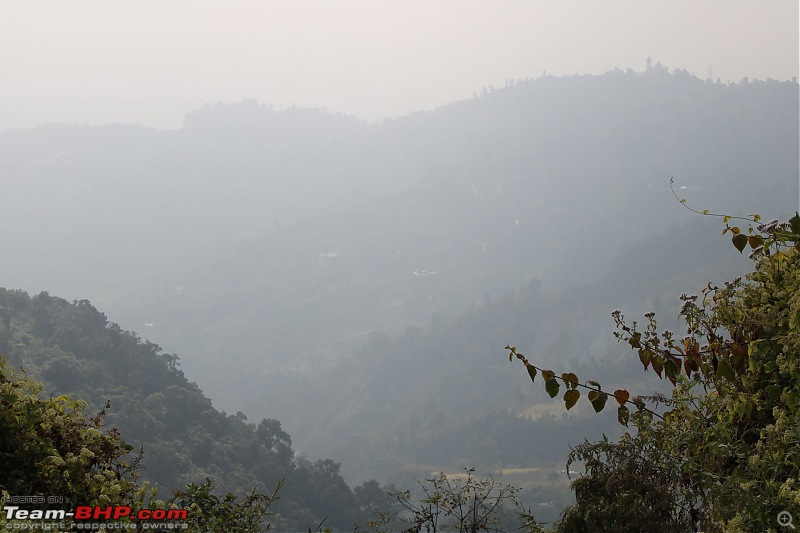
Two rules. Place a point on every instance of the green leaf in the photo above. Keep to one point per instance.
(724, 369)
(658, 365)
(634, 340)
(548, 375)
(671, 370)
(794, 223)
(790, 399)
(644, 357)
(551, 386)
(532, 373)
(623, 415)
(739, 241)
(594, 384)
(599, 401)
(774, 392)
(571, 397)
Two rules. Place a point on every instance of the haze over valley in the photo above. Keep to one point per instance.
(352, 283)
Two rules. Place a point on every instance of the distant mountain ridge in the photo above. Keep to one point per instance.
(277, 249)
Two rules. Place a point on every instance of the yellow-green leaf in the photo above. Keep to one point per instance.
(724, 369)
(570, 379)
(623, 415)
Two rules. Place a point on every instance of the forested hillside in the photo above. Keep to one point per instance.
(76, 351)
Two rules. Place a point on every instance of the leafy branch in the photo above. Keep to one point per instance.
(762, 238)
(596, 396)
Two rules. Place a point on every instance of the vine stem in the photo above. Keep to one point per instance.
(705, 213)
(598, 389)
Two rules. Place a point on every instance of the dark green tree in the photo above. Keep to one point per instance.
(51, 447)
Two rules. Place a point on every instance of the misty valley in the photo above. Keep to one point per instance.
(297, 299)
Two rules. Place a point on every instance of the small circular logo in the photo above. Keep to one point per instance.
(785, 519)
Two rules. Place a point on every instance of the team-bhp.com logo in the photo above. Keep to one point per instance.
(88, 517)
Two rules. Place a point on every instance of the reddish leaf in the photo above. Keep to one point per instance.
(755, 241)
(622, 396)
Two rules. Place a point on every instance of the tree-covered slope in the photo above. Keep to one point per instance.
(76, 351)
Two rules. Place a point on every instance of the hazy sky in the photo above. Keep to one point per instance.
(150, 61)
